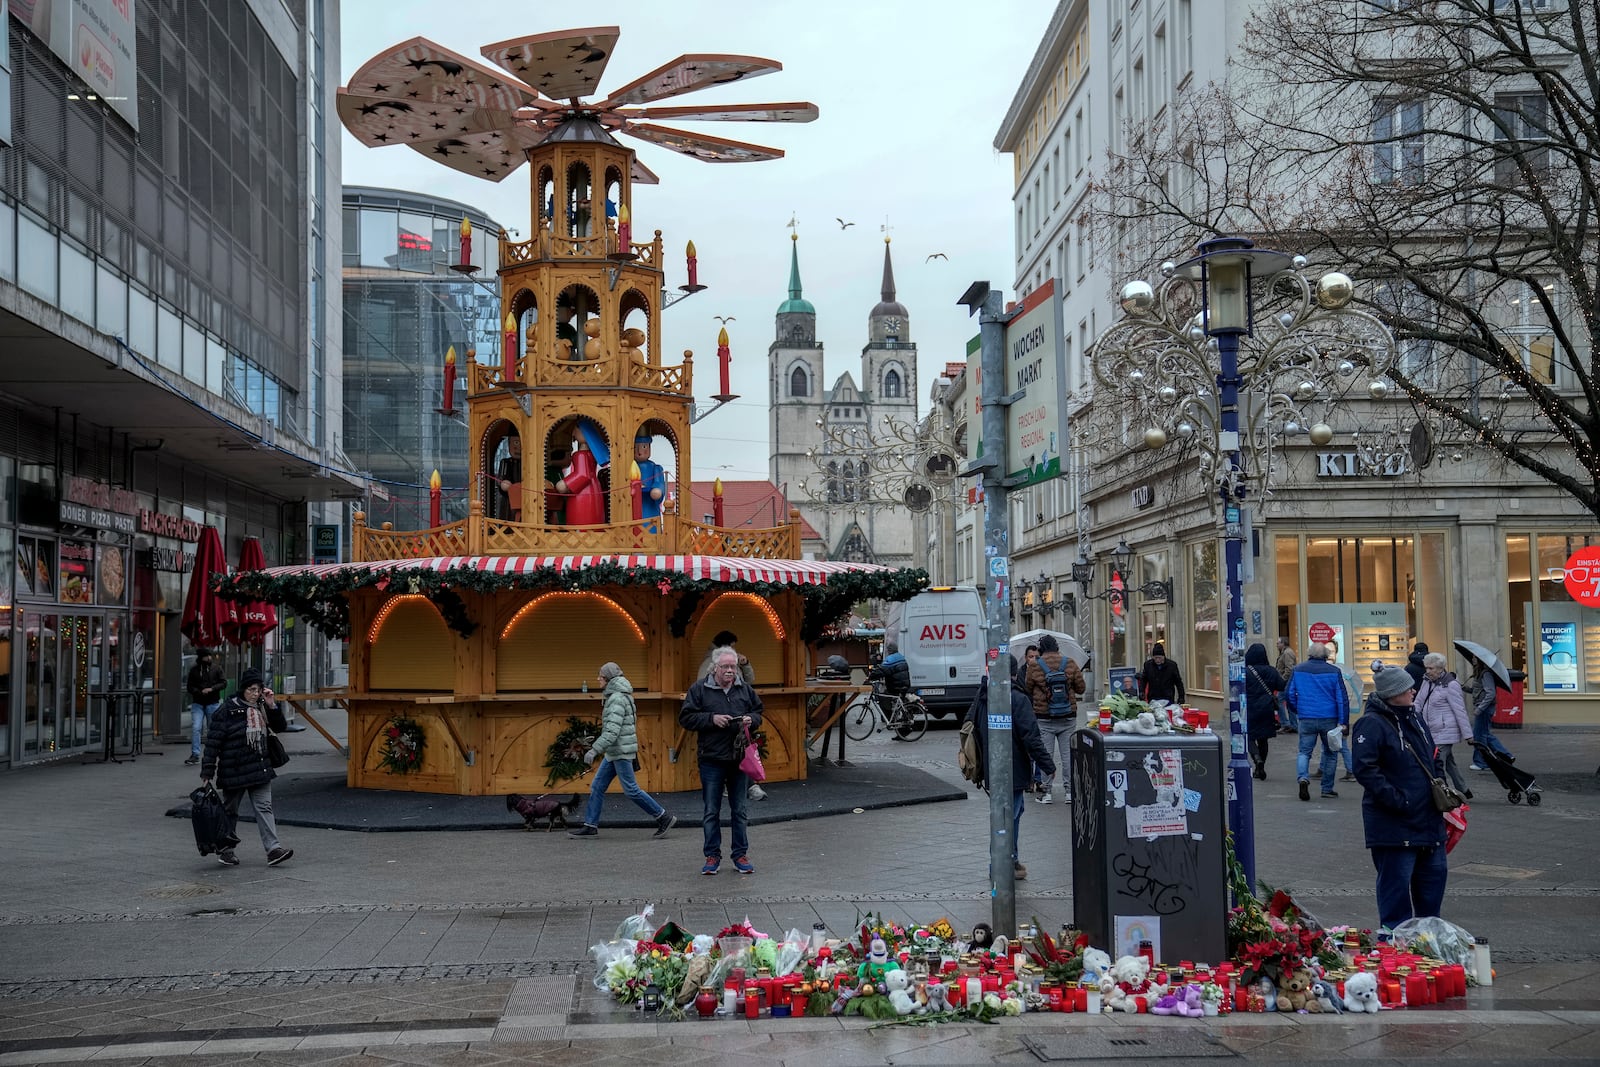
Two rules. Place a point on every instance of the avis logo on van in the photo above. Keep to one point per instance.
(954, 631)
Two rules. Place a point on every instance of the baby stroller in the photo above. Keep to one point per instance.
(1516, 783)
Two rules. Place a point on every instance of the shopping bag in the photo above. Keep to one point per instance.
(751, 763)
(210, 820)
(1455, 826)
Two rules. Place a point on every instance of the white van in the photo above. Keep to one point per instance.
(941, 633)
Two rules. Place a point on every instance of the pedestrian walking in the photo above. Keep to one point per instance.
(617, 749)
(1053, 683)
(722, 710)
(1413, 664)
(1483, 701)
(1405, 832)
(205, 684)
(1286, 657)
(1262, 684)
(1159, 678)
(1317, 698)
(236, 759)
(1444, 709)
(1027, 749)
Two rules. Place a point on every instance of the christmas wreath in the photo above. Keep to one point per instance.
(403, 742)
(564, 757)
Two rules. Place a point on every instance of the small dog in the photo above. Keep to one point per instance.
(553, 809)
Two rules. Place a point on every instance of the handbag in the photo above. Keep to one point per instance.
(1277, 699)
(751, 762)
(277, 755)
(1445, 797)
(210, 821)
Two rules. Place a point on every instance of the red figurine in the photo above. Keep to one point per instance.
(580, 481)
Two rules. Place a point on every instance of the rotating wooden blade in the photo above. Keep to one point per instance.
(563, 64)
(796, 112)
(419, 71)
(641, 174)
(379, 121)
(688, 73)
(702, 145)
(491, 155)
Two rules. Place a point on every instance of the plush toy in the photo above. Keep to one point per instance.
(982, 937)
(1294, 991)
(1096, 963)
(878, 965)
(1361, 993)
(1326, 996)
(846, 995)
(1127, 979)
(1184, 1001)
(938, 997)
(897, 984)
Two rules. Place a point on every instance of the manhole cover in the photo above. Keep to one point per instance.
(1492, 870)
(181, 892)
(1161, 1044)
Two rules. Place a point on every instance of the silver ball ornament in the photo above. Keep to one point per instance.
(1299, 262)
(1291, 427)
(1168, 394)
(1136, 376)
(1138, 298)
(1321, 433)
(1334, 290)
(1286, 320)
(1457, 456)
(1305, 390)
(1185, 430)
(1155, 437)
(1346, 368)
(1168, 269)
(1378, 390)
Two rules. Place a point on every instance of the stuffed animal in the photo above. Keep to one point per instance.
(982, 937)
(1326, 996)
(1184, 1001)
(897, 984)
(878, 965)
(1294, 991)
(938, 997)
(1096, 963)
(1361, 993)
(1128, 978)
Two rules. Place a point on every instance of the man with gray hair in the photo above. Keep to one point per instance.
(724, 712)
(1317, 697)
(618, 743)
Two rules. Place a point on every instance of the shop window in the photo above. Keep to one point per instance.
(1567, 632)
(1205, 665)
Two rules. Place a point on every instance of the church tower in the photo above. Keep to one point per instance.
(794, 388)
(889, 358)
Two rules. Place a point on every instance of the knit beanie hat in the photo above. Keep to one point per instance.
(1391, 682)
(251, 677)
(1158, 649)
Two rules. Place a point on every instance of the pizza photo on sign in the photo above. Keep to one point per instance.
(113, 575)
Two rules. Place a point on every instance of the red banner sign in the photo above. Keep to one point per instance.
(1582, 577)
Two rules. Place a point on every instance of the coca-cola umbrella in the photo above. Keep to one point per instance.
(248, 622)
(203, 611)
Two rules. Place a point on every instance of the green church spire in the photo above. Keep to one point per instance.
(796, 304)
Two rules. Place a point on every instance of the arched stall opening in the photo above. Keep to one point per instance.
(757, 626)
(635, 328)
(557, 640)
(575, 308)
(501, 457)
(580, 193)
(655, 450)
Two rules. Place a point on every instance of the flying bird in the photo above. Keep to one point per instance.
(936, 255)
(843, 225)
(724, 318)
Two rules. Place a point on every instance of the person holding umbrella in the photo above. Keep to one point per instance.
(1487, 671)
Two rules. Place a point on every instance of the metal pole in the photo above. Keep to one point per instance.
(996, 551)
(1241, 800)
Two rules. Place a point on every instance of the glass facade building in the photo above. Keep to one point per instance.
(404, 309)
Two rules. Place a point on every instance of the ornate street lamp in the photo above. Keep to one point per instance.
(1083, 574)
(1182, 367)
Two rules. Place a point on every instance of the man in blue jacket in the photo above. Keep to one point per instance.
(1027, 749)
(1317, 697)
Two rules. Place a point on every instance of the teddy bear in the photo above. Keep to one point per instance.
(1096, 962)
(1326, 996)
(1294, 991)
(1127, 979)
(897, 985)
(1184, 1001)
(1361, 993)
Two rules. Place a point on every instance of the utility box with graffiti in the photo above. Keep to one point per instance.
(1148, 852)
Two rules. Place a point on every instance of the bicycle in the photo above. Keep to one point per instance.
(906, 716)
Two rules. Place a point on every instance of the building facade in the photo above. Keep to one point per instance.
(405, 309)
(1386, 536)
(163, 237)
(823, 438)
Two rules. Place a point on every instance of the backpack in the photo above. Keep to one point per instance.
(969, 760)
(1056, 686)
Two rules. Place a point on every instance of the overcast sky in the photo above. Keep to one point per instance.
(911, 93)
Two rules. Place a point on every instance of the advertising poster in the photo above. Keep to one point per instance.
(1035, 427)
(1122, 681)
(1558, 647)
(95, 39)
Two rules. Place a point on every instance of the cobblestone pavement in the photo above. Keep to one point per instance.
(118, 943)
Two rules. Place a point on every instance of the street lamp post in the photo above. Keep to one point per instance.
(1157, 361)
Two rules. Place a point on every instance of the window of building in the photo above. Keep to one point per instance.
(1519, 314)
(799, 384)
(1397, 142)
(1521, 135)
(1205, 599)
(1136, 91)
(1411, 312)
(1183, 38)
(1160, 89)
(1555, 639)
(893, 385)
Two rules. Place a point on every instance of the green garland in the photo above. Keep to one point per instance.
(323, 601)
(403, 745)
(564, 757)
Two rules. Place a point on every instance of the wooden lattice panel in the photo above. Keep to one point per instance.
(448, 540)
(576, 373)
(513, 253)
(701, 540)
(411, 648)
(661, 379)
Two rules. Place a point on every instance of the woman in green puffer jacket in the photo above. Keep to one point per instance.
(616, 748)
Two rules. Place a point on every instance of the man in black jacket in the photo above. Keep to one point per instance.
(205, 685)
(721, 709)
(1027, 749)
(1159, 678)
(1414, 665)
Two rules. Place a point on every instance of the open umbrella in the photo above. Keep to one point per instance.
(247, 622)
(1502, 677)
(203, 610)
(1069, 645)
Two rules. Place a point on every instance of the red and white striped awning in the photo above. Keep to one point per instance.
(706, 568)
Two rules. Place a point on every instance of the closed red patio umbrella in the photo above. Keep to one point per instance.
(247, 622)
(203, 611)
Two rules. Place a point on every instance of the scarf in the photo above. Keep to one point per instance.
(255, 733)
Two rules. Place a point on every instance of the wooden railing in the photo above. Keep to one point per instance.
(605, 370)
(552, 246)
(476, 535)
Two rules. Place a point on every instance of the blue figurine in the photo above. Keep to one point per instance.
(653, 482)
